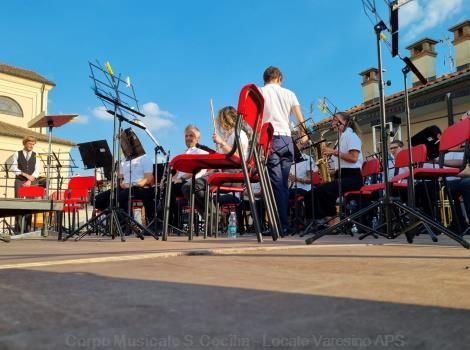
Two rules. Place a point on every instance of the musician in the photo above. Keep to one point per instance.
(138, 174)
(395, 147)
(192, 135)
(279, 103)
(350, 160)
(299, 176)
(459, 186)
(26, 168)
(226, 120)
(25, 164)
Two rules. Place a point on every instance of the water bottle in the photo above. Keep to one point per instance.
(232, 226)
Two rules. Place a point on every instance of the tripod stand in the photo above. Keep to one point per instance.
(397, 217)
(119, 104)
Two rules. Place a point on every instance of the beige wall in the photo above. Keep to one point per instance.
(27, 94)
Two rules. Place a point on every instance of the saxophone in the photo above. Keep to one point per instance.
(322, 161)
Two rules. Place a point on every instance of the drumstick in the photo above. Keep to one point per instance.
(212, 114)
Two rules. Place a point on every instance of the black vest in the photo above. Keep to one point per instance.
(26, 166)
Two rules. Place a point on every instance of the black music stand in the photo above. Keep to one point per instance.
(120, 101)
(131, 148)
(95, 154)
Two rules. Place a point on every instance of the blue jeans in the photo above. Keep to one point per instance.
(279, 164)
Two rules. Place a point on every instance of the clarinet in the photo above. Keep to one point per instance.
(163, 184)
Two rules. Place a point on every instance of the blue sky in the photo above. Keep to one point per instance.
(179, 54)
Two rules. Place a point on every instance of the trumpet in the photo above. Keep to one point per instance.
(445, 210)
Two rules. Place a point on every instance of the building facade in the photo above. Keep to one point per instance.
(23, 96)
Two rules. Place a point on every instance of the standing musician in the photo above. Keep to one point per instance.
(25, 165)
(26, 168)
(279, 103)
(350, 159)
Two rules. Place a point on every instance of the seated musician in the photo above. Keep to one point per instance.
(350, 161)
(301, 180)
(395, 147)
(299, 176)
(25, 165)
(192, 135)
(226, 121)
(138, 174)
(460, 186)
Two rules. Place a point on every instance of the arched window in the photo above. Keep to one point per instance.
(10, 106)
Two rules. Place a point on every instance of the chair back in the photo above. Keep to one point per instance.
(455, 135)
(371, 167)
(31, 191)
(250, 111)
(418, 153)
(82, 182)
(265, 138)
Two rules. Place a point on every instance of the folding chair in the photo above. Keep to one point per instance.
(250, 110)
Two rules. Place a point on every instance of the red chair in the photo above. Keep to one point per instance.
(419, 155)
(29, 192)
(250, 110)
(455, 135)
(217, 180)
(76, 197)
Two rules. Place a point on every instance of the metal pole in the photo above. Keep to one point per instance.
(378, 28)
(411, 177)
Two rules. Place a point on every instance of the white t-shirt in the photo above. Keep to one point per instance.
(192, 150)
(348, 141)
(230, 139)
(278, 104)
(301, 170)
(138, 167)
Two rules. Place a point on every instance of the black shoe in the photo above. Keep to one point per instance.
(288, 231)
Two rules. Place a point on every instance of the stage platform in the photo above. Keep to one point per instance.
(221, 293)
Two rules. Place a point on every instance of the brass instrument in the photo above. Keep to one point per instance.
(322, 161)
(445, 210)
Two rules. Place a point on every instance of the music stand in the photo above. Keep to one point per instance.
(50, 121)
(95, 154)
(118, 97)
(131, 145)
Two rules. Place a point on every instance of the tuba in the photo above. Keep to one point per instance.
(322, 161)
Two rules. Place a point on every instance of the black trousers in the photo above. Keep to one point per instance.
(175, 192)
(199, 193)
(28, 218)
(326, 194)
(146, 194)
